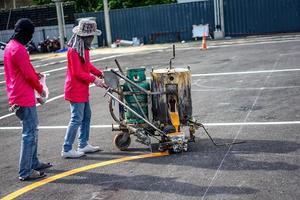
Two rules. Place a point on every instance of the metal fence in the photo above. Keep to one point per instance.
(253, 17)
(40, 34)
(173, 22)
(40, 15)
(155, 24)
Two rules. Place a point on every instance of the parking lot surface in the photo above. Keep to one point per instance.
(242, 90)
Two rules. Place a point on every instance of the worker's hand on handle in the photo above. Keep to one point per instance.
(99, 82)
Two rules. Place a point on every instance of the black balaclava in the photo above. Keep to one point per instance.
(24, 30)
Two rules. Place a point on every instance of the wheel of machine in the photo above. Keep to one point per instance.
(122, 141)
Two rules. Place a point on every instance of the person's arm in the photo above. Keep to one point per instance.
(93, 70)
(77, 70)
(21, 58)
(97, 72)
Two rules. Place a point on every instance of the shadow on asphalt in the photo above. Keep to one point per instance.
(112, 182)
(203, 154)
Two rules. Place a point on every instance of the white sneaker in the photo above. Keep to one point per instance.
(89, 149)
(72, 154)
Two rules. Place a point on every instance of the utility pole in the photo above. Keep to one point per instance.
(219, 19)
(107, 23)
(60, 19)
(222, 16)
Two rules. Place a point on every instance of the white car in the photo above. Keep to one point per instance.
(1, 56)
(2, 46)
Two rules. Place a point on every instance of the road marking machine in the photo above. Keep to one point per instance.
(156, 112)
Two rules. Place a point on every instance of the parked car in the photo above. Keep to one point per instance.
(2, 46)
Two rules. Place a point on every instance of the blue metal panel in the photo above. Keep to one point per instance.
(252, 17)
(163, 21)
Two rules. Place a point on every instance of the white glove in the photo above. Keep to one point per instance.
(99, 82)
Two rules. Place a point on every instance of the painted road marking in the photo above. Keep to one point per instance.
(246, 72)
(215, 89)
(187, 48)
(193, 75)
(48, 101)
(78, 170)
(239, 131)
(205, 124)
(201, 75)
(63, 61)
(241, 44)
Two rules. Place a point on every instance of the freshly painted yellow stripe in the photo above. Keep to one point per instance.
(78, 170)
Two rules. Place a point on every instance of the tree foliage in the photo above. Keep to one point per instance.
(96, 5)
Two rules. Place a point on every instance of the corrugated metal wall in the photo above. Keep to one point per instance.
(40, 15)
(162, 23)
(40, 33)
(252, 17)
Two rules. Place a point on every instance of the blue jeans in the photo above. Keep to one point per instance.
(80, 117)
(29, 144)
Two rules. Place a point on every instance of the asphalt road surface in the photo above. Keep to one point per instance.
(244, 90)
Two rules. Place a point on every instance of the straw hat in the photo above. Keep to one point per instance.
(86, 27)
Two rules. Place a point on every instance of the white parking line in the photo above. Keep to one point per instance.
(246, 72)
(215, 89)
(205, 124)
(193, 75)
(62, 61)
(48, 101)
(241, 44)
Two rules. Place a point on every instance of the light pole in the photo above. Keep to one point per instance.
(107, 23)
(60, 19)
(219, 19)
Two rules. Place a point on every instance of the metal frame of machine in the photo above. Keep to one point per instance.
(153, 113)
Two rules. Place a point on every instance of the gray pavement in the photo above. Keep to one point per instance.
(244, 89)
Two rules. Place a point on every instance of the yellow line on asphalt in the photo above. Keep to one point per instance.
(78, 170)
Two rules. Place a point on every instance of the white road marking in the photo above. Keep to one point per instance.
(187, 48)
(194, 75)
(48, 101)
(246, 72)
(205, 124)
(119, 55)
(240, 44)
(240, 129)
(63, 61)
(212, 89)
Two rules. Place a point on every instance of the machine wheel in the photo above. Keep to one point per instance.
(122, 141)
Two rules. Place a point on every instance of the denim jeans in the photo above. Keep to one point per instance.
(29, 144)
(80, 118)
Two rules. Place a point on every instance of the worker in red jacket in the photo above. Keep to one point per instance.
(21, 83)
(80, 74)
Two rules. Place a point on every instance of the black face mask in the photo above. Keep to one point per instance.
(88, 41)
(24, 30)
(23, 38)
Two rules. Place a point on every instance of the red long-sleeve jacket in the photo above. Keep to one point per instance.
(79, 76)
(20, 76)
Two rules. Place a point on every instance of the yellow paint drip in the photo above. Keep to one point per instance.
(175, 120)
(78, 170)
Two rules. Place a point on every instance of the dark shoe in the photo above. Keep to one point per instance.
(43, 166)
(34, 175)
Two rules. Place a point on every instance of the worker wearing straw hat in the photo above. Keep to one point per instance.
(80, 74)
